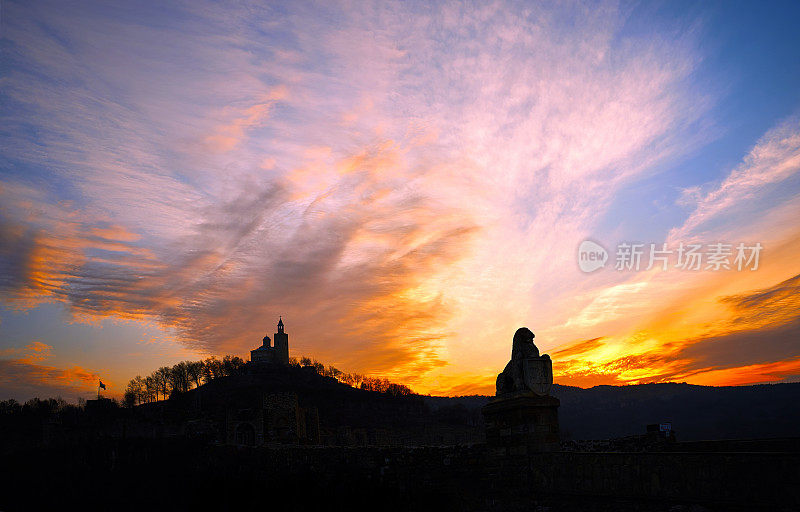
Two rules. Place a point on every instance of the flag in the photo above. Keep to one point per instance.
(103, 386)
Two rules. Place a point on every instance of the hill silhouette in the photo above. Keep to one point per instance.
(346, 415)
(403, 452)
(338, 404)
(349, 415)
(696, 412)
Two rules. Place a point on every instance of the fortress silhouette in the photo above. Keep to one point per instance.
(280, 428)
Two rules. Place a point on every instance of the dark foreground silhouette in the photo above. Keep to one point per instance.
(178, 474)
(378, 451)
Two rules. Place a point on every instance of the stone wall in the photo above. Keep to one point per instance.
(457, 478)
(721, 481)
(713, 478)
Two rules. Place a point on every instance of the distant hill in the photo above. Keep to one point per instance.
(696, 412)
(349, 416)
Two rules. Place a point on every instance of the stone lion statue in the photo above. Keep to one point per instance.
(527, 370)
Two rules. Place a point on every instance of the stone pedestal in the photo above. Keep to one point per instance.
(522, 423)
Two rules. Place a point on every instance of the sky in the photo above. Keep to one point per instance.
(405, 183)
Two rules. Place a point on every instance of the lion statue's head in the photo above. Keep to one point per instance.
(523, 345)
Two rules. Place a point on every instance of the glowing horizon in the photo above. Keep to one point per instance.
(406, 184)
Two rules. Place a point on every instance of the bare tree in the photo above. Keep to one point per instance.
(179, 378)
(135, 392)
(232, 364)
(195, 371)
(150, 389)
(332, 371)
(163, 380)
(212, 368)
(398, 389)
(129, 398)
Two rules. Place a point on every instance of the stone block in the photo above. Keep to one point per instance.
(522, 423)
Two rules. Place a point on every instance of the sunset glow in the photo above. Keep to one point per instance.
(406, 183)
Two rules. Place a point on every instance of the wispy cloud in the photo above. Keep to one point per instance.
(707, 327)
(393, 178)
(750, 191)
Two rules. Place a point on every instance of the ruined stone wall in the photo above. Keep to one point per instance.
(734, 478)
(283, 422)
(461, 478)
(714, 479)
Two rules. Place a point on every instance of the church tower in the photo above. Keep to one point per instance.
(275, 353)
(281, 344)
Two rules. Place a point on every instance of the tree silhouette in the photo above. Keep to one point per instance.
(150, 389)
(231, 365)
(212, 369)
(162, 377)
(195, 371)
(167, 381)
(135, 393)
(179, 378)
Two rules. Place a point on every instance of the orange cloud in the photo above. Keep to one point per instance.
(23, 376)
(748, 374)
(474, 385)
(114, 233)
(359, 288)
(34, 352)
(762, 326)
(432, 204)
(578, 348)
(228, 136)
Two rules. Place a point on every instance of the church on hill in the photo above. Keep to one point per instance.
(269, 353)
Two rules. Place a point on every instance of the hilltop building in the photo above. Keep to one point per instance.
(277, 353)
